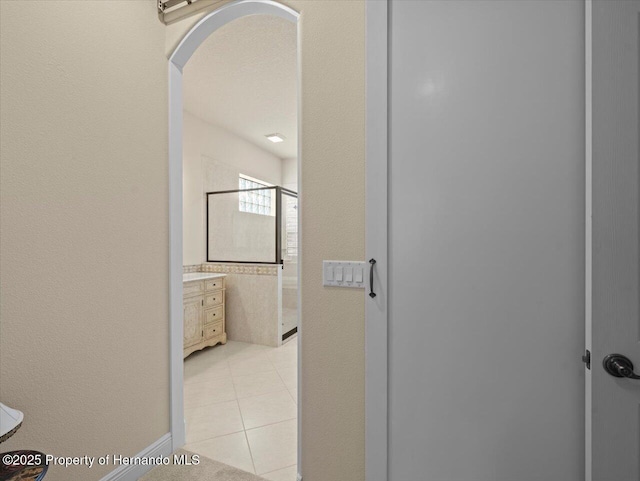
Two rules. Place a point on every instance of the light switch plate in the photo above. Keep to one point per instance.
(353, 274)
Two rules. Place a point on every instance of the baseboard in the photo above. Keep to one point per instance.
(162, 447)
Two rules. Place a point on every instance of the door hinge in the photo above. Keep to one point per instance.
(587, 358)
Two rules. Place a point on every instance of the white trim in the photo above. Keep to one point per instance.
(299, 188)
(192, 40)
(279, 332)
(588, 230)
(376, 389)
(175, 257)
(220, 17)
(162, 447)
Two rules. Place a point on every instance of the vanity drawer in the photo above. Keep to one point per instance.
(192, 288)
(213, 315)
(213, 330)
(213, 298)
(214, 284)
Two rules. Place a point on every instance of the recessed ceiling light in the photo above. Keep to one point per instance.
(275, 138)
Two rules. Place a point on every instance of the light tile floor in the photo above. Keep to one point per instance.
(240, 407)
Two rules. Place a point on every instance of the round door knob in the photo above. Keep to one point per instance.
(618, 365)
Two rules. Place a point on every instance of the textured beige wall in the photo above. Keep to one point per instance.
(84, 227)
(332, 203)
(332, 206)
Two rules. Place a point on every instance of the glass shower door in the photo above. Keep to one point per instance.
(289, 257)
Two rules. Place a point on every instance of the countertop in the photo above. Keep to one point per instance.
(199, 276)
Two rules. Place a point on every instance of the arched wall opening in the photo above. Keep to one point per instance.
(177, 61)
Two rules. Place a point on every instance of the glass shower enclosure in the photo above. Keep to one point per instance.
(289, 257)
(257, 225)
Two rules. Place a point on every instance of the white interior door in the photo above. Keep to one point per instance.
(615, 418)
(486, 241)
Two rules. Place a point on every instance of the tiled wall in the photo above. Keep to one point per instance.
(252, 269)
(253, 300)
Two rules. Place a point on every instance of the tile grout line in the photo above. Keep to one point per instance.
(279, 469)
(234, 377)
(191, 407)
(237, 400)
(220, 402)
(295, 401)
(217, 377)
(272, 424)
(286, 389)
(253, 463)
(213, 437)
(280, 375)
(226, 362)
(242, 399)
(244, 428)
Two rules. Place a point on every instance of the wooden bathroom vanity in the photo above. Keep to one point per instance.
(203, 311)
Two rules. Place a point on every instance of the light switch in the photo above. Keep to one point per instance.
(329, 273)
(343, 274)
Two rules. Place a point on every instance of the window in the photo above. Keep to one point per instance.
(254, 201)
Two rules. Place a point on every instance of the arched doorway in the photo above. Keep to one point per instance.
(183, 52)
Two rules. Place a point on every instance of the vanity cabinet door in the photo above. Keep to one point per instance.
(192, 315)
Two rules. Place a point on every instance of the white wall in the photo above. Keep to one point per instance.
(206, 146)
(290, 174)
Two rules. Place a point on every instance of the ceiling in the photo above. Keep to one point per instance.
(243, 78)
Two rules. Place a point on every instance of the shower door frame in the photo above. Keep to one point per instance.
(280, 191)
